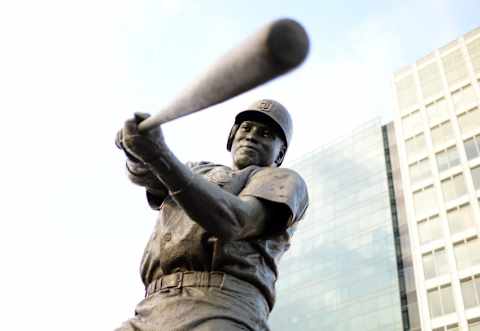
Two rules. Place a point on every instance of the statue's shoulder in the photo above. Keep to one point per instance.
(278, 174)
(202, 167)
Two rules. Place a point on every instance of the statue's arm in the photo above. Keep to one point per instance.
(219, 212)
(140, 174)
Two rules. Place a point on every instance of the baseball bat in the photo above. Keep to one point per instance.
(274, 50)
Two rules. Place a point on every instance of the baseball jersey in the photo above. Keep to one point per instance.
(179, 244)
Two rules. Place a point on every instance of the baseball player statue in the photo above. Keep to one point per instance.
(211, 262)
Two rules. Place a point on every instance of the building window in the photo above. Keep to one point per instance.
(447, 158)
(472, 147)
(420, 171)
(476, 177)
(460, 218)
(437, 111)
(412, 123)
(440, 301)
(471, 291)
(425, 201)
(442, 133)
(429, 229)
(415, 147)
(453, 187)
(464, 97)
(435, 263)
(451, 327)
(430, 80)
(455, 67)
(474, 51)
(469, 120)
(467, 253)
(474, 325)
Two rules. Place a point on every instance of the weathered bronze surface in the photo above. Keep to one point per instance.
(211, 262)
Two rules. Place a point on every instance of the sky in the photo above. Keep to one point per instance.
(72, 228)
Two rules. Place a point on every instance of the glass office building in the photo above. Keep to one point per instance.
(341, 272)
(437, 125)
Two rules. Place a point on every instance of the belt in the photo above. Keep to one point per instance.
(186, 279)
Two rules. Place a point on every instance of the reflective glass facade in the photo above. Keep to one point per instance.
(342, 271)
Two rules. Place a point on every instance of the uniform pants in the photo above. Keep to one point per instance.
(237, 305)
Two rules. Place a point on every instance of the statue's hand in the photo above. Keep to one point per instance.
(119, 144)
(142, 146)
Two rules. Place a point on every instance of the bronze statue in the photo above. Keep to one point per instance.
(211, 262)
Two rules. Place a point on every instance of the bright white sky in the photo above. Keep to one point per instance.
(72, 228)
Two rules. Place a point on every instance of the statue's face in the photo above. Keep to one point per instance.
(256, 143)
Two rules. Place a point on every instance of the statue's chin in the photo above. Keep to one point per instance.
(243, 161)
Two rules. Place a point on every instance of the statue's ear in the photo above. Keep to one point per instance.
(281, 155)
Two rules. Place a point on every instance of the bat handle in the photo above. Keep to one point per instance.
(148, 124)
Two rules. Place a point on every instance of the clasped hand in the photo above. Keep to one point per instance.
(140, 146)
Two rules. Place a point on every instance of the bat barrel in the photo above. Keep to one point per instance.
(287, 42)
(274, 50)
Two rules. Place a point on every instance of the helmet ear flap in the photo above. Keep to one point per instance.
(281, 155)
(233, 131)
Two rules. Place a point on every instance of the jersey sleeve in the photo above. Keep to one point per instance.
(279, 185)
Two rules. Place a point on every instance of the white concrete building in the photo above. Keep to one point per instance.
(437, 128)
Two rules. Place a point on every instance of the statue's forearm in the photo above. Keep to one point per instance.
(140, 174)
(219, 212)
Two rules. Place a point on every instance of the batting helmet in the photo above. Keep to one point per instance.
(271, 110)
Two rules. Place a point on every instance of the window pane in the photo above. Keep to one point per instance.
(453, 328)
(421, 143)
(412, 123)
(460, 187)
(441, 262)
(473, 247)
(476, 177)
(428, 266)
(453, 157)
(461, 255)
(471, 148)
(460, 219)
(438, 136)
(448, 189)
(430, 79)
(435, 227)
(469, 121)
(442, 107)
(442, 161)
(447, 299)
(447, 130)
(476, 282)
(469, 96)
(474, 326)
(455, 67)
(434, 304)
(424, 201)
(420, 171)
(433, 113)
(468, 293)
(414, 173)
(424, 232)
